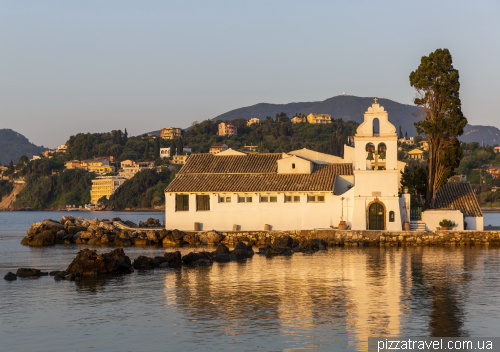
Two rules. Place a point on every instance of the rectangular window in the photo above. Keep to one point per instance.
(292, 199)
(273, 199)
(182, 202)
(315, 199)
(264, 199)
(243, 199)
(225, 199)
(249, 199)
(202, 202)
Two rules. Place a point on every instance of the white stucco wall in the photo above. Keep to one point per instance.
(432, 218)
(253, 216)
(475, 223)
(294, 165)
(317, 157)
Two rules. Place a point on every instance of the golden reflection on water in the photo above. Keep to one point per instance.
(358, 292)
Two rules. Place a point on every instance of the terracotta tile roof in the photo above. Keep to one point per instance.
(231, 164)
(321, 179)
(459, 196)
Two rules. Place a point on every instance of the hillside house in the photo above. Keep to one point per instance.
(170, 133)
(299, 119)
(253, 121)
(319, 118)
(227, 129)
(416, 154)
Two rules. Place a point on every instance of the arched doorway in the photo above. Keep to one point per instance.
(376, 216)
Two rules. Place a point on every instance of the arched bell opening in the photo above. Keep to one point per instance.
(370, 150)
(376, 127)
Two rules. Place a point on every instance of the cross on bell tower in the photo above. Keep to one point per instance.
(375, 100)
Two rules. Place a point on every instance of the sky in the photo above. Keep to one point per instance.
(93, 66)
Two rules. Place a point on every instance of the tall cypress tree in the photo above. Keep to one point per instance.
(146, 151)
(172, 148)
(180, 146)
(125, 137)
(437, 84)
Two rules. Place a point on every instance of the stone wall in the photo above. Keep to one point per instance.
(366, 238)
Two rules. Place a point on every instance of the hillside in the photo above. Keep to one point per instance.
(476, 133)
(349, 108)
(13, 145)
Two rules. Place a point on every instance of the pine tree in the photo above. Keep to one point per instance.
(119, 137)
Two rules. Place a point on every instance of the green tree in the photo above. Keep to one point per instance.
(416, 182)
(400, 132)
(125, 137)
(437, 84)
(146, 151)
(23, 159)
(180, 146)
(172, 147)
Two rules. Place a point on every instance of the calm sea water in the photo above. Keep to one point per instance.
(323, 302)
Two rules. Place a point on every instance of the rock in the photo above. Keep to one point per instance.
(191, 258)
(116, 219)
(222, 258)
(53, 225)
(73, 230)
(60, 276)
(153, 236)
(162, 234)
(37, 228)
(174, 259)
(94, 241)
(10, 276)
(159, 260)
(107, 239)
(141, 242)
(240, 254)
(72, 276)
(88, 261)
(130, 224)
(57, 272)
(64, 219)
(312, 245)
(271, 251)
(211, 237)
(174, 237)
(60, 235)
(241, 245)
(119, 241)
(86, 235)
(34, 277)
(222, 249)
(46, 238)
(203, 262)
(191, 239)
(284, 241)
(27, 272)
(143, 263)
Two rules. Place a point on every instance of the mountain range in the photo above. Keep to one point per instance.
(13, 145)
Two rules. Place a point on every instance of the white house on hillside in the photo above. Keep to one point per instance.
(301, 189)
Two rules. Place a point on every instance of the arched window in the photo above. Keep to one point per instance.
(381, 148)
(376, 127)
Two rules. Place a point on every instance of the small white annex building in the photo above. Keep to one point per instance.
(299, 190)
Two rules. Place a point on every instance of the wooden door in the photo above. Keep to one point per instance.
(376, 215)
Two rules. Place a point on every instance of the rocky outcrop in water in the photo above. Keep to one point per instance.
(89, 262)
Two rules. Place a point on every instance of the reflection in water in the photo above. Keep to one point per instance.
(332, 299)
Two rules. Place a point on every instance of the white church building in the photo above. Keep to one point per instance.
(304, 190)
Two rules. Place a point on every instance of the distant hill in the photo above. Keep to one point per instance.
(345, 107)
(476, 133)
(352, 108)
(13, 145)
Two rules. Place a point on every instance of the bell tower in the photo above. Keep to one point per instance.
(376, 173)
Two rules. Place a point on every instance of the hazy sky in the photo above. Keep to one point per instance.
(93, 66)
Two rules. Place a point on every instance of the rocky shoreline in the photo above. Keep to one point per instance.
(90, 264)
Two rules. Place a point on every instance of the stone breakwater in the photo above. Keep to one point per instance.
(116, 232)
